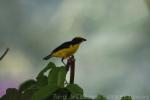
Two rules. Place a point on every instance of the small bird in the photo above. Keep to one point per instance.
(66, 49)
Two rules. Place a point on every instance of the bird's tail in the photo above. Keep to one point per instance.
(47, 57)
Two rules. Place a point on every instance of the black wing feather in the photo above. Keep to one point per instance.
(62, 46)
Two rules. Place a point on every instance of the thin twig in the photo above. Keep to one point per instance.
(4, 54)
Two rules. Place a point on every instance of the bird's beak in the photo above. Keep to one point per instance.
(84, 39)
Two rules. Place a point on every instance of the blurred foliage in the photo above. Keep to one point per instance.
(50, 87)
(126, 98)
(100, 97)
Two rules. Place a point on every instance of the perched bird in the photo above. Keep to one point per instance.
(66, 49)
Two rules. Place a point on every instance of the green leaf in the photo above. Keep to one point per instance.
(60, 94)
(75, 89)
(48, 67)
(61, 76)
(126, 98)
(44, 92)
(26, 85)
(42, 81)
(53, 76)
(57, 76)
(100, 97)
(29, 93)
(11, 94)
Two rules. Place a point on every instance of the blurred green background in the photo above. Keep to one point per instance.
(114, 61)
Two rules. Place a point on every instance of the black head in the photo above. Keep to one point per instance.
(78, 40)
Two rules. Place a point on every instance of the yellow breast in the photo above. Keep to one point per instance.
(66, 52)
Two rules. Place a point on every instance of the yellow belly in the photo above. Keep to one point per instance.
(66, 52)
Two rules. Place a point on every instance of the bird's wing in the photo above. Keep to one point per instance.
(62, 46)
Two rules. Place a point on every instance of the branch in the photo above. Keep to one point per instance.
(4, 54)
(71, 64)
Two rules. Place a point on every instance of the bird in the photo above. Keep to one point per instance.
(66, 49)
